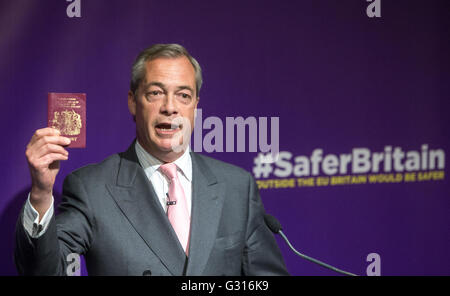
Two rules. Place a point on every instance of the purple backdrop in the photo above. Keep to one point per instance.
(337, 79)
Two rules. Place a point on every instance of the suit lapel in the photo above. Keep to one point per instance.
(137, 200)
(207, 202)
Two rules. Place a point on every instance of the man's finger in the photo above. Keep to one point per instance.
(47, 159)
(34, 150)
(37, 164)
(48, 148)
(57, 140)
(47, 131)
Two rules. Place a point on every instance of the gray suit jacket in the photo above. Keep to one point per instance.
(110, 213)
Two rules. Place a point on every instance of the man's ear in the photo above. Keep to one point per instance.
(195, 107)
(132, 104)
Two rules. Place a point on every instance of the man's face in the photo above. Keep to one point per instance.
(166, 95)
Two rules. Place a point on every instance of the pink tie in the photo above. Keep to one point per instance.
(177, 210)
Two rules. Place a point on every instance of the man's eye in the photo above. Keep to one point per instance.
(184, 96)
(153, 94)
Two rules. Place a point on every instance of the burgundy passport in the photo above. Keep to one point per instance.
(67, 113)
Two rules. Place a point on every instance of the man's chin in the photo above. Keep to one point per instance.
(168, 147)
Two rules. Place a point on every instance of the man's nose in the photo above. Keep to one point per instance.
(169, 105)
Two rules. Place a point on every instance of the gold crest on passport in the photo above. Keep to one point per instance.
(67, 113)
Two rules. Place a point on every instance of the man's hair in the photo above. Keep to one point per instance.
(162, 51)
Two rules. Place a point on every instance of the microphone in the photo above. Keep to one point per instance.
(169, 202)
(275, 226)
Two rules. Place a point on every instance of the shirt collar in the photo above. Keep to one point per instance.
(150, 163)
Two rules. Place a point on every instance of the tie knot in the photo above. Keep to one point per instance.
(169, 170)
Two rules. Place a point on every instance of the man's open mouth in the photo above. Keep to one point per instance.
(168, 128)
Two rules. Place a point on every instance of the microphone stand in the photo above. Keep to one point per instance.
(312, 259)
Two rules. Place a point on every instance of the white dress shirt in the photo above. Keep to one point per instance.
(160, 183)
(150, 164)
(31, 219)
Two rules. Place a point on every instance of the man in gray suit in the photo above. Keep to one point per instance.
(120, 213)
